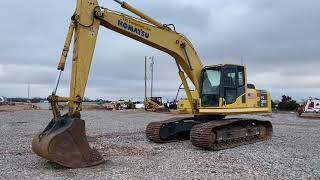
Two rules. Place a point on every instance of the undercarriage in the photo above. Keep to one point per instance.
(213, 133)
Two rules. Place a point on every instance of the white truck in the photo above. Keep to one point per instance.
(313, 105)
(3, 100)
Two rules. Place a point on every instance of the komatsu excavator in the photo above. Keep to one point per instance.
(220, 90)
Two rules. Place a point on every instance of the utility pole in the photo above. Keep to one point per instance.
(145, 81)
(28, 90)
(151, 64)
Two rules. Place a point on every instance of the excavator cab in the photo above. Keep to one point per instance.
(222, 85)
(224, 89)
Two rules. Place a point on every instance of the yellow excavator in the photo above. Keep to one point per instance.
(154, 104)
(220, 90)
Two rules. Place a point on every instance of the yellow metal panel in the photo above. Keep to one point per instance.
(232, 111)
(252, 98)
(86, 31)
(184, 107)
(237, 103)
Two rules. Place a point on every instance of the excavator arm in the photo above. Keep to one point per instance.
(86, 21)
(64, 141)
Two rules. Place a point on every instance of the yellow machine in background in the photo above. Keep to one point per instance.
(154, 104)
(220, 90)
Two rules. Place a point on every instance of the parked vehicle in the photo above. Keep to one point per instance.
(311, 106)
(3, 100)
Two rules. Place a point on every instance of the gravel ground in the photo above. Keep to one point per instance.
(293, 152)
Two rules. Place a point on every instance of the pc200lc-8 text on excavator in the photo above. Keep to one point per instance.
(220, 90)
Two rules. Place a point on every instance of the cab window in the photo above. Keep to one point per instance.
(210, 91)
(241, 78)
(211, 82)
(230, 78)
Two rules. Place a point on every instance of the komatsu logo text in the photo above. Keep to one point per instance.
(133, 29)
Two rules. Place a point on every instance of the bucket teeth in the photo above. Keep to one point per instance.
(64, 142)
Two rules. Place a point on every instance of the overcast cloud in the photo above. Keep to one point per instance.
(278, 40)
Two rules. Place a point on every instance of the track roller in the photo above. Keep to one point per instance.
(219, 135)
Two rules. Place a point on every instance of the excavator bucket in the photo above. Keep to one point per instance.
(64, 142)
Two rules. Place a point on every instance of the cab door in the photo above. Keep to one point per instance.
(230, 84)
(234, 84)
(225, 82)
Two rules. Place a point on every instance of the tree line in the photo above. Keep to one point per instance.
(286, 104)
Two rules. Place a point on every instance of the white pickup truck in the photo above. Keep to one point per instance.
(3, 100)
(313, 105)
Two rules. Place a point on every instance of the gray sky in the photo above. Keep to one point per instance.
(278, 40)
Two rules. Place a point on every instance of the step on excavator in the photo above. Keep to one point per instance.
(219, 90)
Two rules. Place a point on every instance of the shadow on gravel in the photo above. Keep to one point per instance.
(48, 165)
